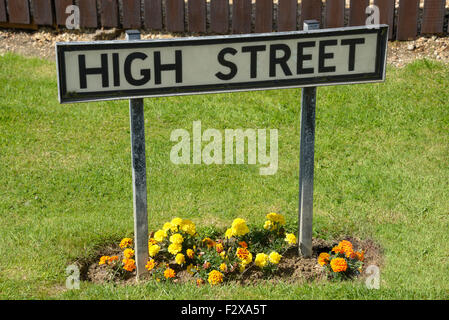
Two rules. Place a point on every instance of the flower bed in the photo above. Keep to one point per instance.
(177, 253)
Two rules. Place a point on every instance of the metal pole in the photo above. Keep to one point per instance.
(137, 125)
(306, 159)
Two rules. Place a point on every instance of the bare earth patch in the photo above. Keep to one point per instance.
(291, 269)
(42, 44)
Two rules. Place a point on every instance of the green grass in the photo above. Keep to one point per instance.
(381, 171)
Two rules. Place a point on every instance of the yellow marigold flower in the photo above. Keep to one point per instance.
(190, 253)
(360, 255)
(290, 238)
(169, 273)
(167, 226)
(112, 259)
(129, 264)
(223, 267)
(219, 247)
(215, 277)
(239, 227)
(128, 253)
(126, 242)
(275, 217)
(176, 238)
(274, 257)
(339, 265)
(103, 259)
(242, 267)
(323, 258)
(180, 259)
(223, 254)
(267, 225)
(248, 259)
(153, 250)
(174, 248)
(188, 227)
(160, 235)
(151, 241)
(150, 265)
(261, 260)
(228, 233)
(175, 224)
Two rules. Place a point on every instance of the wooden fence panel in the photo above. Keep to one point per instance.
(241, 16)
(109, 13)
(60, 7)
(131, 14)
(310, 9)
(357, 12)
(174, 15)
(386, 8)
(219, 16)
(433, 16)
(3, 11)
(88, 14)
(335, 13)
(407, 19)
(197, 15)
(19, 11)
(287, 10)
(264, 16)
(42, 12)
(153, 14)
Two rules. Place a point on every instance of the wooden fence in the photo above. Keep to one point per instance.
(407, 18)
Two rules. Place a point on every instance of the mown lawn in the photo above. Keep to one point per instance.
(381, 172)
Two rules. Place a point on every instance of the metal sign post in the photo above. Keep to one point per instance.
(137, 125)
(306, 159)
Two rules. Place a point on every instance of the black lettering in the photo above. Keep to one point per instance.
(116, 69)
(323, 56)
(145, 72)
(253, 62)
(232, 67)
(282, 61)
(352, 45)
(103, 70)
(303, 57)
(159, 67)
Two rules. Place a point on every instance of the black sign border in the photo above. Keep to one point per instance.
(377, 76)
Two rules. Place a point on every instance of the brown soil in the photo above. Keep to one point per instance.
(291, 269)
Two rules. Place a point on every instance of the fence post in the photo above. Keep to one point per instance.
(137, 125)
(306, 159)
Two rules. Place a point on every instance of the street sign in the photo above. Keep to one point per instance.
(107, 70)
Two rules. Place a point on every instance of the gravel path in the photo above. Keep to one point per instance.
(42, 44)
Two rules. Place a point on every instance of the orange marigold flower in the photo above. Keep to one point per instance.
(209, 242)
(242, 253)
(215, 277)
(169, 273)
(346, 246)
(351, 254)
(129, 264)
(112, 259)
(360, 255)
(199, 282)
(103, 259)
(339, 265)
(150, 265)
(128, 253)
(323, 258)
(151, 241)
(243, 244)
